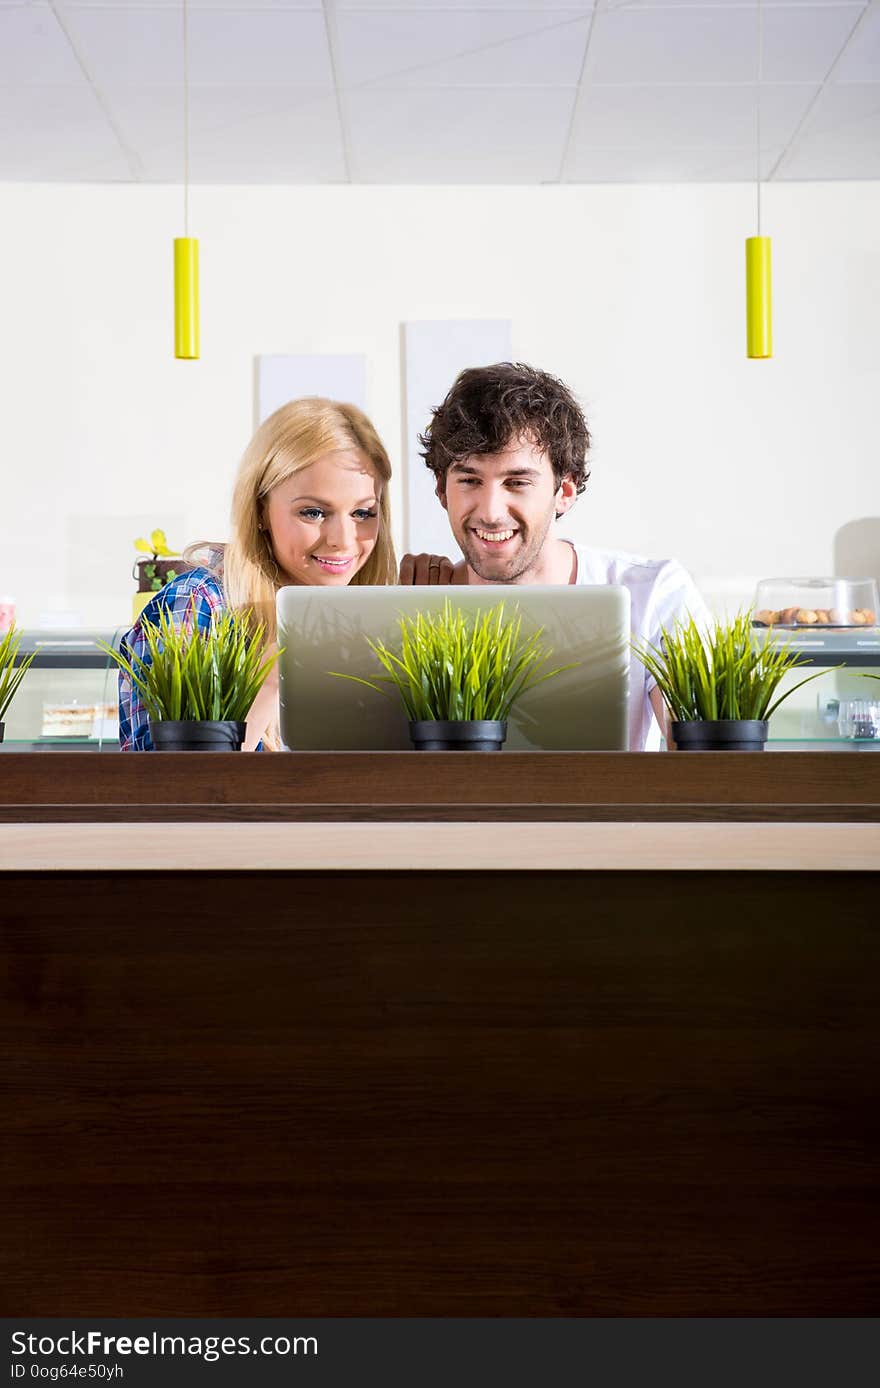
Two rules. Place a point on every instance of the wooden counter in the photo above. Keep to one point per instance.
(408, 786)
(413, 1041)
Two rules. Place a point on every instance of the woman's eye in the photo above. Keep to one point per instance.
(363, 515)
(312, 513)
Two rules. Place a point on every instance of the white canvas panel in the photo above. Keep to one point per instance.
(283, 378)
(434, 354)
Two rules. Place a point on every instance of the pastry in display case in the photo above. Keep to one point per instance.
(794, 603)
(73, 719)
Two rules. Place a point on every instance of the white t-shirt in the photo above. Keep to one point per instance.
(660, 590)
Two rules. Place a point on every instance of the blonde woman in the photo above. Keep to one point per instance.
(310, 506)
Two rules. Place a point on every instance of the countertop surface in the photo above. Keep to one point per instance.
(446, 847)
(406, 810)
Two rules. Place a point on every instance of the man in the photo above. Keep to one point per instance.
(508, 448)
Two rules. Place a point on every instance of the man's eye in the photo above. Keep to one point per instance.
(468, 481)
(312, 513)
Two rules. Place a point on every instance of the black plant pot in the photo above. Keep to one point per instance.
(2, 726)
(482, 735)
(192, 736)
(721, 735)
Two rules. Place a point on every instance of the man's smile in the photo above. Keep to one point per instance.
(495, 539)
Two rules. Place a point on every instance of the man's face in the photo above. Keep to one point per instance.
(500, 508)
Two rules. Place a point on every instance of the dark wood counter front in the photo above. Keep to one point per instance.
(818, 786)
(444, 1092)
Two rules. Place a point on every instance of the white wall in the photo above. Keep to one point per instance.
(634, 295)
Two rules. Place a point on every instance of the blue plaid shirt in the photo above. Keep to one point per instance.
(199, 591)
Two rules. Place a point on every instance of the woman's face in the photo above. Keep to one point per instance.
(323, 522)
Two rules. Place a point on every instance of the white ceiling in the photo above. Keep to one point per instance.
(439, 91)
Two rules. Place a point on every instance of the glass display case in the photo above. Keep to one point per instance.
(839, 711)
(67, 701)
(803, 604)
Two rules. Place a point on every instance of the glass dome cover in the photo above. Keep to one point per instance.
(810, 602)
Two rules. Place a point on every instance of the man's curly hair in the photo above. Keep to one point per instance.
(490, 406)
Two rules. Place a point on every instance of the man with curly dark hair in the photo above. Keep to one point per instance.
(489, 445)
(508, 448)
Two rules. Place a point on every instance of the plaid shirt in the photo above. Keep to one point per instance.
(199, 589)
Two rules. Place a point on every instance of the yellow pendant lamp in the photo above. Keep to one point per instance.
(186, 247)
(759, 303)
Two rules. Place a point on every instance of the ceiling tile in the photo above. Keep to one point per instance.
(57, 134)
(714, 4)
(861, 61)
(243, 5)
(396, 46)
(840, 138)
(801, 42)
(635, 117)
(550, 57)
(575, 6)
(718, 44)
(237, 134)
(668, 164)
(812, 163)
(270, 47)
(502, 135)
(672, 46)
(33, 49)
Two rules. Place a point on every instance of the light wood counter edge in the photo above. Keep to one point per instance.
(469, 846)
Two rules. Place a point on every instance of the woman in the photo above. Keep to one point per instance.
(311, 506)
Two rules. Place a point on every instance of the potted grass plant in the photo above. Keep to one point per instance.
(459, 675)
(12, 670)
(719, 684)
(198, 685)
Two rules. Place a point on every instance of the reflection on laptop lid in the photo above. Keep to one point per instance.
(324, 629)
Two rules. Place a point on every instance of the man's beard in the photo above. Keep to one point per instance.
(505, 570)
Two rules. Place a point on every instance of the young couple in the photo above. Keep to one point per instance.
(508, 448)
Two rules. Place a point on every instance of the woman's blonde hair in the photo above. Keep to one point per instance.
(293, 438)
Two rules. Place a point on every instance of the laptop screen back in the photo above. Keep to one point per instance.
(325, 629)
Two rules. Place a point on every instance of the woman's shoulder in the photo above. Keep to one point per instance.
(198, 593)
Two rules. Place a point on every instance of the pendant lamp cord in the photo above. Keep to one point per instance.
(759, 76)
(185, 122)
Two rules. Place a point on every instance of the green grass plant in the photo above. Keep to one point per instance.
(456, 667)
(190, 675)
(11, 675)
(722, 673)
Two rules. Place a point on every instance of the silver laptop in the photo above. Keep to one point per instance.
(324, 629)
